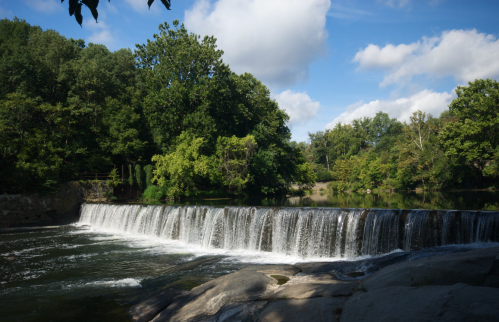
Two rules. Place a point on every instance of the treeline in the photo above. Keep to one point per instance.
(459, 149)
(67, 108)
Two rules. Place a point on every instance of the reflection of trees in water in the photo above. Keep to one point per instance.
(465, 200)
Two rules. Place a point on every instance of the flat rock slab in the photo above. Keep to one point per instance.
(238, 312)
(454, 303)
(147, 309)
(309, 290)
(471, 268)
(320, 309)
(204, 301)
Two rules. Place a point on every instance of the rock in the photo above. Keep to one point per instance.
(316, 309)
(239, 312)
(149, 308)
(356, 274)
(454, 303)
(202, 302)
(59, 208)
(471, 268)
(317, 289)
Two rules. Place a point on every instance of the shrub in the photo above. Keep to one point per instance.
(153, 193)
(332, 185)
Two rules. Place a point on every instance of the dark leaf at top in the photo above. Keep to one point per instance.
(92, 5)
(167, 3)
(78, 16)
(72, 6)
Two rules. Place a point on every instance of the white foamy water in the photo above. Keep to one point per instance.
(289, 235)
(125, 282)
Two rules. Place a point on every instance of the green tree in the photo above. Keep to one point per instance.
(179, 171)
(181, 75)
(233, 155)
(474, 136)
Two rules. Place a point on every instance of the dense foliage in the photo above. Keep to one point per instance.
(460, 149)
(67, 108)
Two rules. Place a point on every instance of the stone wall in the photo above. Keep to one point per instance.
(62, 207)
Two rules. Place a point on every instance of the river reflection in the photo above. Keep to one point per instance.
(457, 200)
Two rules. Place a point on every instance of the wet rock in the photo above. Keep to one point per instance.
(316, 309)
(454, 303)
(149, 308)
(202, 302)
(356, 274)
(318, 289)
(239, 312)
(471, 268)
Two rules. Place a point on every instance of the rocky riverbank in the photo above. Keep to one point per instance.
(59, 208)
(454, 287)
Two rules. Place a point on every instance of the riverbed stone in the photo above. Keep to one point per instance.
(314, 309)
(317, 288)
(238, 312)
(149, 308)
(204, 301)
(471, 268)
(454, 303)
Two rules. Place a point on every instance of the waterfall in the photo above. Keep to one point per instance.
(302, 232)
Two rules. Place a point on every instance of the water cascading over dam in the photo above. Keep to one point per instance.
(303, 232)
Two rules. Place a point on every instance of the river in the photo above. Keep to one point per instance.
(117, 255)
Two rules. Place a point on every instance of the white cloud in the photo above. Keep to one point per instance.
(298, 105)
(463, 54)
(340, 12)
(401, 109)
(396, 3)
(46, 6)
(142, 7)
(101, 33)
(386, 57)
(275, 40)
(138, 5)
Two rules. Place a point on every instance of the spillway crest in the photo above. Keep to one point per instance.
(302, 232)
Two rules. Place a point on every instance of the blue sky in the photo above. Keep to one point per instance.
(324, 61)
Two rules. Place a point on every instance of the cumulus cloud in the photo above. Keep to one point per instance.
(45, 6)
(275, 40)
(463, 54)
(374, 57)
(298, 105)
(401, 109)
(101, 33)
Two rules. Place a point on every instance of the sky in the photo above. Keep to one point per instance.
(324, 61)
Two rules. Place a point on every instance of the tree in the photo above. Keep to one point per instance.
(420, 129)
(233, 155)
(474, 136)
(179, 171)
(76, 5)
(182, 76)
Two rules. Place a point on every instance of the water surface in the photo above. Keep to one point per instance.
(458, 200)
